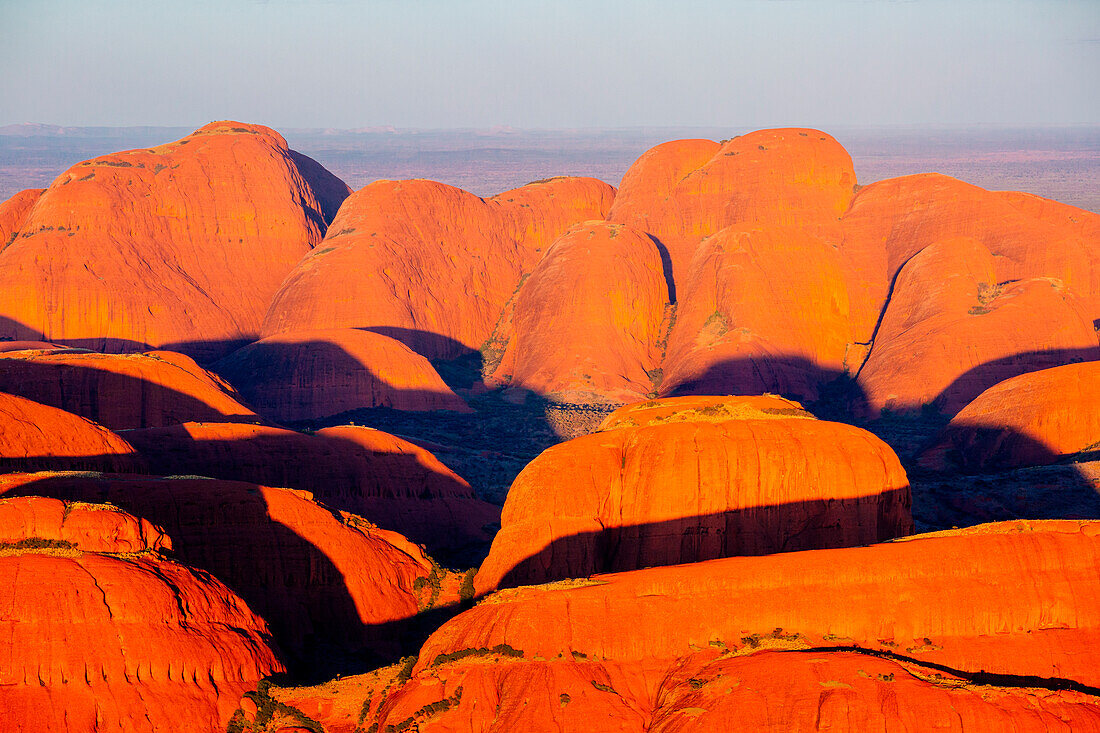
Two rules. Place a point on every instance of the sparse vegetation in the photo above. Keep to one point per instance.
(37, 543)
(503, 650)
(268, 708)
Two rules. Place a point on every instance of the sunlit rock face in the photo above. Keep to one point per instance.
(104, 633)
(771, 643)
(310, 375)
(35, 437)
(122, 391)
(337, 591)
(586, 325)
(429, 264)
(704, 480)
(178, 246)
(1029, 420)
(386, 479)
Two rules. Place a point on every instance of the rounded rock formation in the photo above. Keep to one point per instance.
(122, 391)
(587, 321)
(429, 264)
(96, 640)
(178, 246)
(13, 213)
(783, 177)
(948, 295)
(311, 375)
(37, 437)
(335, 590)
(1029, 420)
(760, 310)
(682, 491)
(938, 636)
(892, 220)
(391, 482)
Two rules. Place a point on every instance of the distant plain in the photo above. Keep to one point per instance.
(1058, 163)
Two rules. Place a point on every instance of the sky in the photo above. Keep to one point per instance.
(552, 64)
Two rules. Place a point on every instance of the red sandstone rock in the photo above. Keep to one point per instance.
(760, 310)
(95, 641)
(335, 589)
(429, 264)
(120, 392)
(89, 527)
(39, 437)
(6, 346)
(952, 329)
(768, 691)
(390, 481)
(892, 220)
(950, 598)
(702, 408)
(783, 642)
(183, 244)
(784, 177)
(1028, 420)
(13, 213)
(314, 374)
(693, 489)
(587, 321)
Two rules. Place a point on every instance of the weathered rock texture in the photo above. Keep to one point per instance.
(183, 244)
(13, 213)
(709, 484)
(1028, 420)
(315, 374)
(119, 391)
(760, 310)
(88, 526)
(96, 640)
(429, 264)
(938, 635)
(891, 221)
(686, 191)
(587, 322)
(338, 592)
(39, 437)
(952, 329)
(391, 482)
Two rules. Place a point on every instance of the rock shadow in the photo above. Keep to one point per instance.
(759, 530)
(227, 529)
(114, 400)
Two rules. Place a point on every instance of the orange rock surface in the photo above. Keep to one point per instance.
(336, 590)
(13, 213)
(586, 323)
(783, 177)
(892, 220)
(309, 375)
(694, 489)
(768, 691)
(6, 346)
(951, 598)
(391, 482)
(429, 264)
(181, 245)
(702, 408)
(760, 310)
(929, 632)
(1028, 420)
(91, 527)
(38, 437)
(96, 640)
(953, 329)
(120, 392)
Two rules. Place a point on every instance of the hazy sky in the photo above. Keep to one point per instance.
(565, 63)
